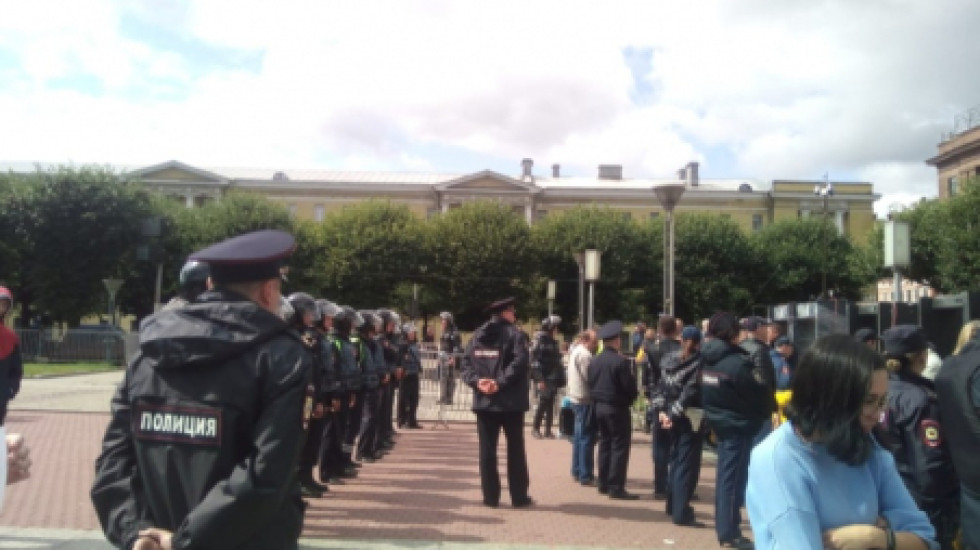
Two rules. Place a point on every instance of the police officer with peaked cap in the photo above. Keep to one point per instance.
(207, 424)
(495, 365)
(613, 389)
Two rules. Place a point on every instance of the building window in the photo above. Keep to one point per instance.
(318, 212)
(952, 185)
(654, 215)
(756, 222)
(908, 295)
(292, 209)
(627, 215)
(432, 213)
(540, 214)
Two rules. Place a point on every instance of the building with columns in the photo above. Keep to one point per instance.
(313, 194)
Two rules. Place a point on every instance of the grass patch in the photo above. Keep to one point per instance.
(33, 370)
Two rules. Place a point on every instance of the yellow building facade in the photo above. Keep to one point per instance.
(314, 194)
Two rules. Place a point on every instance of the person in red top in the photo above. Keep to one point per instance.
(11, 366)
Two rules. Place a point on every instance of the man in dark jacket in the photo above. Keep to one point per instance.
(668, 346)
(11, 365)
(495, 365)
(754, 331)
(208, 423)
(613, 390)
(677, 403)
(547, 373)
(736, 397)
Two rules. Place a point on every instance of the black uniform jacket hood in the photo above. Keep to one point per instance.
(218, 326)
(714, 350)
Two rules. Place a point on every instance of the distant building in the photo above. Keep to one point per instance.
(911, 291)
(959, 154)
(313, 194)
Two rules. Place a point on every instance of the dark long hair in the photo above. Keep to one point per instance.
(830, 386)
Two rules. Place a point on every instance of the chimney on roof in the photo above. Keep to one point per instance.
(611, 172)
(682, 174)
(555, 171)
(692, 174)
(526, 169)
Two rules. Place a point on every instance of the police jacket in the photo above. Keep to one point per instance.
(652, 367)
(916, 438)
(411, 358)
(762, 360)
(680, 384)
(958, 386)
(372, 362)
(735, 397)
(11, 366)
(389, 348)
(348, 363)
(498, 350)
(329, 356)
(449, 343)
(206, 430)
(311, 341)
(611, 379)
(546, 362)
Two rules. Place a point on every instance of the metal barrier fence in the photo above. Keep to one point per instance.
(72, 345)
(434, 387)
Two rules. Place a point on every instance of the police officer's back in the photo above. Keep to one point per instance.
(207, 424)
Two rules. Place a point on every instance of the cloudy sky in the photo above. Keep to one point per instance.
(750, 89)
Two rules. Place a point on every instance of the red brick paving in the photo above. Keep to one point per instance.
(427, 489)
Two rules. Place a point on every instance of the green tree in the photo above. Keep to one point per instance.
(475, 254)
(800, 253)
(716, 267)
(72, 228)
(364, 254)
(628, 287)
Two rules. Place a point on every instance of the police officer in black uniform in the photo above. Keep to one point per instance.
(331, 389)
(676, 402)
(613, 389)
(547, 373)
(408, 389)
(958, 388)
(449, 349)
(389, 340)
(207, 424)
(194, 280)
(305, 316)
(915, 433)
(495, 365)
(372, 371)
(335, 459)
(661, 444)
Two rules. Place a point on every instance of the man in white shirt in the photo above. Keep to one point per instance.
(583, 438)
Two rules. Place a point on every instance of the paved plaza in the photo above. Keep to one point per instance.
(425, 494)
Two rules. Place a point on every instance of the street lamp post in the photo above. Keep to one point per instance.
(669, 195)
(592, 264)
(580, 261)
(551, 295)
(826, 191)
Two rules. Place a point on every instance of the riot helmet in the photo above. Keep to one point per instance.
(303, 304)
(285, 309)
(193, 279)
(327, 308)
(389, 317)
(550, 323)
(372, 322)
(410, 330)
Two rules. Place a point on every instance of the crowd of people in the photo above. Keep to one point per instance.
(868, 453)
(242, 402)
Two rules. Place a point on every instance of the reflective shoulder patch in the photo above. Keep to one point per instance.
(486, 353)
(929, 431)
(176, 424)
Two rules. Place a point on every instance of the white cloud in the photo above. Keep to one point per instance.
(791, 89)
